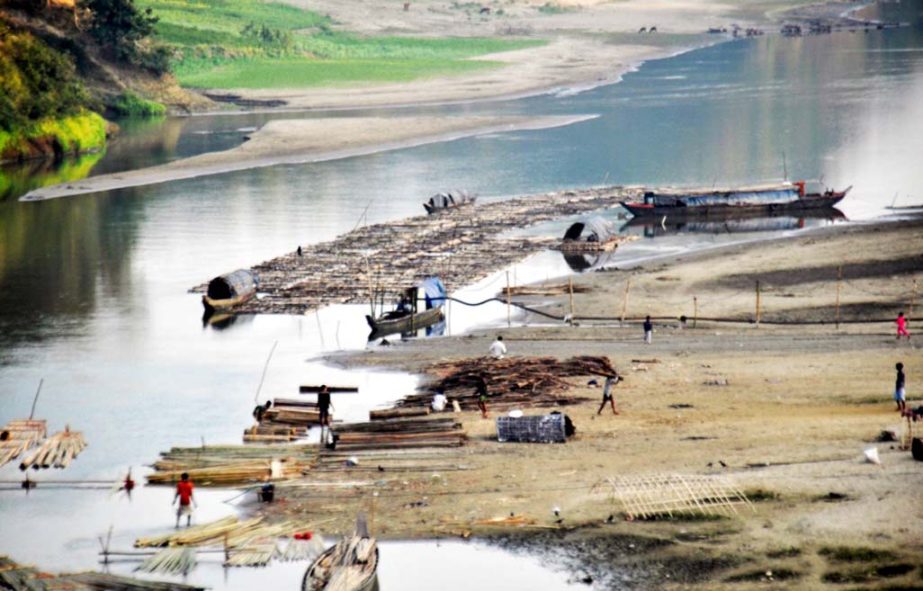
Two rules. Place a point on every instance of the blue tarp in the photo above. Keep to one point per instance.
(434, 292)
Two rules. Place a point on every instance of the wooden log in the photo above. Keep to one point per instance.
(393, 413)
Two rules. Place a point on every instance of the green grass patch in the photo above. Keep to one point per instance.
(255, 44)
(776, 574)
(71, 134)
(789, 552)
(868, 574)
(854, 554)
(758, 495)
(555, 8)
(128, 104)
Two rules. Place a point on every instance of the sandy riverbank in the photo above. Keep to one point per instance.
(308, 140)
(785, 412)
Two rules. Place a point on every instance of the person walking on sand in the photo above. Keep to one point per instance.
(901, 323)
(900, 394)
(186, 500)
(607, 394)
(481, 392)
(648, 330)
(497, 348)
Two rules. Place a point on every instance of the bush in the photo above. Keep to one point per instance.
(128, 104)
(119, 26)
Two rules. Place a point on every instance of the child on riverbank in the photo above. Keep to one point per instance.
(899, 389)
(901, 323)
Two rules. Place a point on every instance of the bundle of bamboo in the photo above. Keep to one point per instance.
(15, 577)
(256, 552)
(58, 451)
(401, 433)
(170, 561)
(233, 464)
(18, 436)
(513, 381)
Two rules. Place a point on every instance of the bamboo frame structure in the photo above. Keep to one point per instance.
(651, 496)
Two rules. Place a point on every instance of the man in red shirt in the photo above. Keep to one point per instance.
(186, 501)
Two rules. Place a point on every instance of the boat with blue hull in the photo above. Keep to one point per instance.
(767, 198)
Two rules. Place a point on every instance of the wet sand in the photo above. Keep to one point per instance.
(784, 411)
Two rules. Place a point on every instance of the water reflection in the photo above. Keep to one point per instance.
(729, 224)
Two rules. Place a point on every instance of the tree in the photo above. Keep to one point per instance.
(120, 26)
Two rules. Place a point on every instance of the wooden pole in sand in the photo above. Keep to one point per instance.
(570, 291)
(695, 310)
(625, 301)
(368, 271)
(509, 304)
(839, 278)
(757, 303)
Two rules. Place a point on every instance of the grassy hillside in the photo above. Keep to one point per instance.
(254, 44)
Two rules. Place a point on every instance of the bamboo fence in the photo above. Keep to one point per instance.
(658, 495)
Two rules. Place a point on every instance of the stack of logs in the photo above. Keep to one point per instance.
(228, 465)
(19, 435)
(512, 381)
(287, 420)
(400, 433)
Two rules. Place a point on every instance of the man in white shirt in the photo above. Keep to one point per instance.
(497, 348)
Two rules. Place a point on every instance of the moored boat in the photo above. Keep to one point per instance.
(408, 317)
(769, 198)
(229, 290)
(452, 199)
(349, 565)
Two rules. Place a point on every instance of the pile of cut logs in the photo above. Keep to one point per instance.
(400, 434)
(19, 435)
(512, 381)
(57, 451)
(286, 420)
(224, 465)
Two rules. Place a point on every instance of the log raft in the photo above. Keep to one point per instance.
(461, 247)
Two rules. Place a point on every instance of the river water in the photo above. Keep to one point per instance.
(93, 289)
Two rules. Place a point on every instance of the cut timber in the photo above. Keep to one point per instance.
(18, 436)
(57, 451)
(333, 389)
(396, 413)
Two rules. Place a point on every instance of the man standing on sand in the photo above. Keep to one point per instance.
(323, 404)
(186, 500)
(900, 394)
(607, 394)
(497, 348)
(648, 330)
(901, 323)
(481, 392)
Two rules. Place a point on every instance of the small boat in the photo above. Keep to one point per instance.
(770, 198)
(408, 317)
(229, 290)
(350, 565)
(452, 199)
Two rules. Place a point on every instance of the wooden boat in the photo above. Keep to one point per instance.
(731, 223)
(770, 198)
(350, 565)
(452, 199)
(394, 323)
(229, 290)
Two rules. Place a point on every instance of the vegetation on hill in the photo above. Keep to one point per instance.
(256, 44)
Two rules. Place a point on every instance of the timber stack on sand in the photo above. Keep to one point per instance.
(287, 420)
(401, 434)
(16, 577)
(229, 465)
(461, 247)
(512, 381)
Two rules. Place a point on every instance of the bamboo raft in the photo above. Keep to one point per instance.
(18, 436)
(57, 451)
(229, 465)
(512, 381)
(461, 247)
(15, 577)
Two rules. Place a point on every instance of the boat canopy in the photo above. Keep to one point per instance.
(232, 285)
(593, 229)
(433, 291)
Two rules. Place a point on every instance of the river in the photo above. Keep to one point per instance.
(95, 300)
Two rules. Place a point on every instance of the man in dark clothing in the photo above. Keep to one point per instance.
(481, 391)
(899, 392)
(648, 330)
(260, 411)
(323, 404)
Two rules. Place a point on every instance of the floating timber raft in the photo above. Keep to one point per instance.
(461, 247)
(229, 465)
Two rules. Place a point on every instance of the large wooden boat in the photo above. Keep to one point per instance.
(452, 199)
(226, 291)
(769, 198)
(350, 565)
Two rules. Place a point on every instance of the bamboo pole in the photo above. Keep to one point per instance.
(695, 310)
(625, 301)
(265, 367)
(757, 303)
(42, 381)
(839, 278)
(509, 307)
(570, 291)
